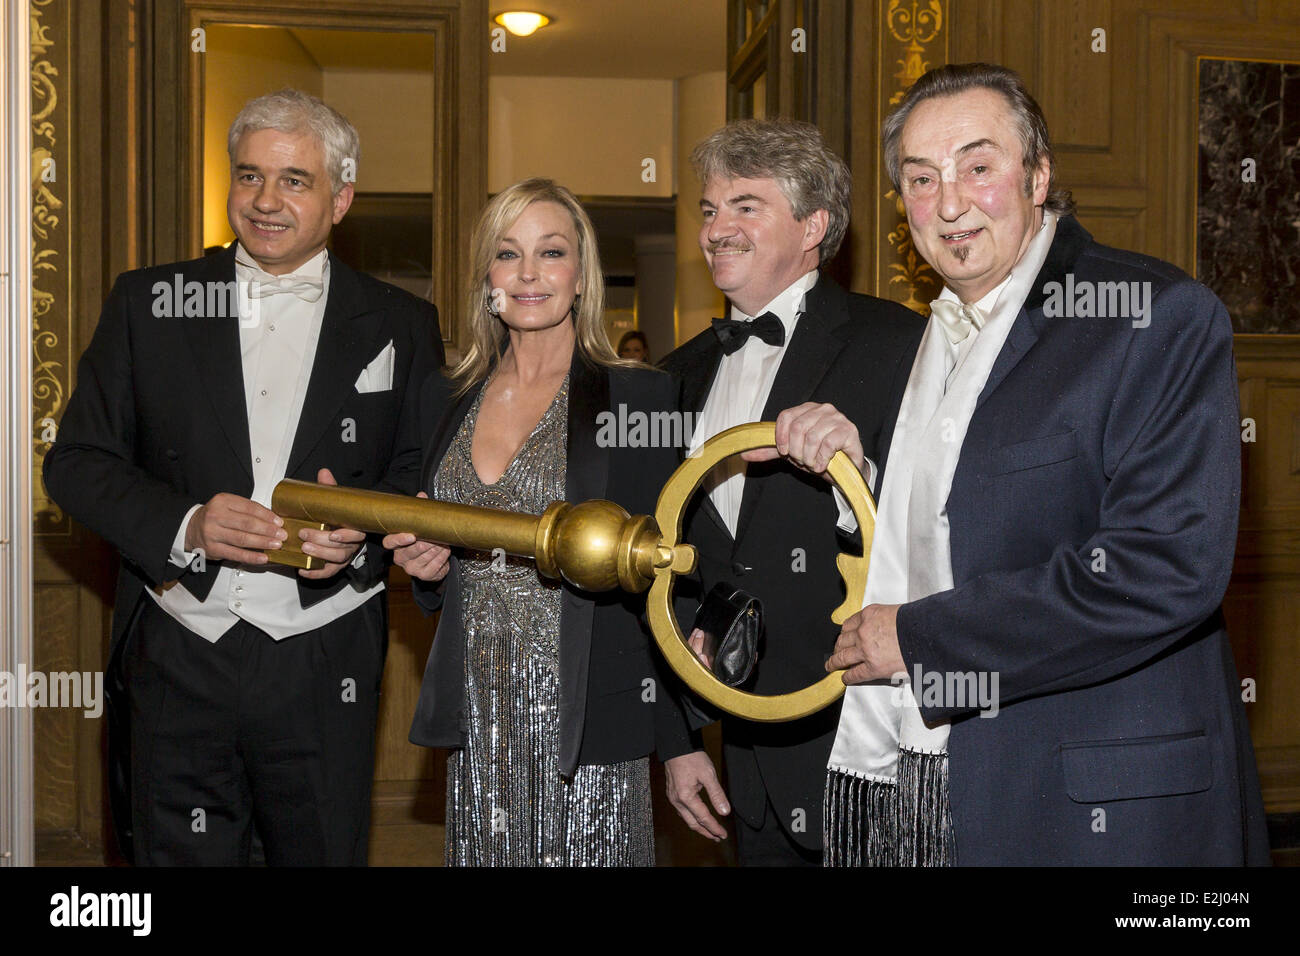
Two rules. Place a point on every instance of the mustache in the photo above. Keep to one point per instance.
(728, 245)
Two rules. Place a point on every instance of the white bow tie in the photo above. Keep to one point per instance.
(957, 319)
(262, 284)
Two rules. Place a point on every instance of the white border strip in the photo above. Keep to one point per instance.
(16, 818)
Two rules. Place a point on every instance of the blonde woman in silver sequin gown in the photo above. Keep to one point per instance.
(550, 699)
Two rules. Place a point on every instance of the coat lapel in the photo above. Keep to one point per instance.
(587, 471)
(699, 369)
(586, 478)
(1068, 243)
(812, 349)
(445, 431)
(214, 342)
(342, 351)
(699, 366)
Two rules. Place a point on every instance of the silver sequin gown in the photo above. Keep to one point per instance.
(507, 804)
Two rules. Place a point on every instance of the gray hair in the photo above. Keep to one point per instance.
(293, 111)
(792, 153)
(959, 78)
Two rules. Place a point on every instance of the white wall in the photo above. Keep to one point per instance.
(701, 108)
(591, 135)
(393, 114)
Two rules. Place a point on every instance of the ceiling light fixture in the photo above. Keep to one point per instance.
(522, 23)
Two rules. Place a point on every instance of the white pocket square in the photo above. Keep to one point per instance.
(378, 375)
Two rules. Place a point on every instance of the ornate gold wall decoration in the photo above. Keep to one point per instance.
(51, 290)
(912, 273)
(908, 30)
(915, 26)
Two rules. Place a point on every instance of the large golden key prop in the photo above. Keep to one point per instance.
(598, 546)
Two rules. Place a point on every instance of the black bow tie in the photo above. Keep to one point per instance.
(732, 333)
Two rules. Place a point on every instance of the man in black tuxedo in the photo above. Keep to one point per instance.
(243, 693)
(776, 206)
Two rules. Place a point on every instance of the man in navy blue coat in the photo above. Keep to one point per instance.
(1091, 521)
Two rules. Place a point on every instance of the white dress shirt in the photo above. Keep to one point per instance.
(739, 394)
(278, 350)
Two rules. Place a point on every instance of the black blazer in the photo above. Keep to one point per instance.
(854, 352)
(606, 652)
(1094, 440)
(158, 422)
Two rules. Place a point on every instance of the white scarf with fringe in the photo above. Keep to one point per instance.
(887, 788)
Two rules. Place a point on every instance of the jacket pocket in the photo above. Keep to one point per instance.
(1128, 768)
(1035, 453)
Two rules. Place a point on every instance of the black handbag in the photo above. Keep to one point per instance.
(732, 622)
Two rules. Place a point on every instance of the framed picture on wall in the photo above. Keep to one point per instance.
(1248, 191)
(390, 236)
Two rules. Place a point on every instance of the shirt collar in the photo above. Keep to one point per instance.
(315, 268)
(788, 304)
(1030, 263)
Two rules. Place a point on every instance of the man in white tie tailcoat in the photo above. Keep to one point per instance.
(243, 693)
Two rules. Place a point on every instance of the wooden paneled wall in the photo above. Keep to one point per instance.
(1262, 607)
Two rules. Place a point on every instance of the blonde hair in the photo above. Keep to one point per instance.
(486, 330)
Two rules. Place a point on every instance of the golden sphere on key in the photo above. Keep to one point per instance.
(586, 544)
